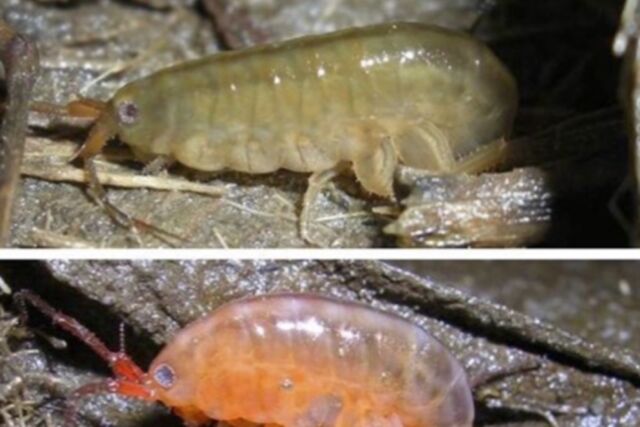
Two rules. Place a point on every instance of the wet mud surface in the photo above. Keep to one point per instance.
(569, 125)
(532, 363)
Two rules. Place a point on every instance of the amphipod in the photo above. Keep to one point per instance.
(294, 360)
(370, 97)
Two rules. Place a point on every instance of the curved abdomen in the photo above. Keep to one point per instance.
(277, 359)
(309, 103)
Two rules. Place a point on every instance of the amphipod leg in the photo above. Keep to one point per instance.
(374, 168)
(374, 163)
(96, 190)
(158, 165)
(317, 181)
(121, 387)
(425, 145)
(490, 157)
(322, 412)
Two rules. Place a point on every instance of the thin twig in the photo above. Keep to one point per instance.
(123, 180)
(20, 60)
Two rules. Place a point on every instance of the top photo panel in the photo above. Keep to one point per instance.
(306, 123)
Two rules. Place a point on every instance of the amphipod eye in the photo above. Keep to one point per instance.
(165, 376)
(127, 113)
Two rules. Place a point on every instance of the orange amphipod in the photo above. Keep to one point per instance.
(294, 360)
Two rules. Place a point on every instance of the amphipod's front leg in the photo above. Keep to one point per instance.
(113, 386)
(102, 131)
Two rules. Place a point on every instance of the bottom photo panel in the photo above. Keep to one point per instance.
(319, 343)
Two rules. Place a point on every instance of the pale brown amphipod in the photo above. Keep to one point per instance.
(370, 97)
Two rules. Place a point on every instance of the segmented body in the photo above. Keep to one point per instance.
(300, 360)
(377, 96)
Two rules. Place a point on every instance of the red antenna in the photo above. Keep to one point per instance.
(129, 377)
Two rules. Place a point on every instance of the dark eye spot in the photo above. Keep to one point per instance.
(127, 113)
(165, 376)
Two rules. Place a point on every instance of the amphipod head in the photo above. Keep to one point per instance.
(138, 114)
(176, 374)
(131, 115)
(168, 381)
(172, 378)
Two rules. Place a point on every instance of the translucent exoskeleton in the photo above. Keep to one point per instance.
(371, 97)
(294, 360)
